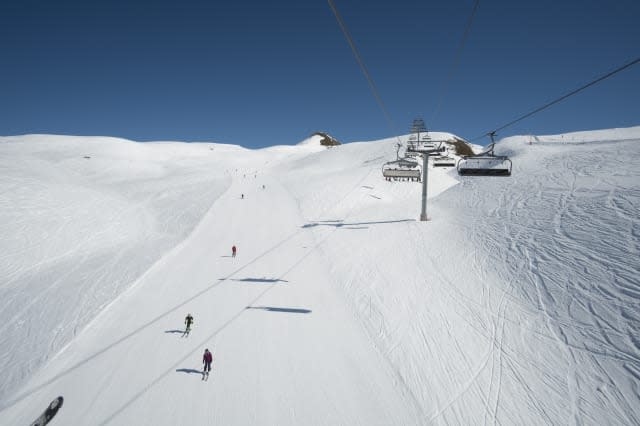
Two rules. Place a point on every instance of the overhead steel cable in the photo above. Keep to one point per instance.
(455, 63)
(372, 85)
(573, 92)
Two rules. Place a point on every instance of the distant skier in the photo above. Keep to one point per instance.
(233, 251)
(188, 320)
(206, 360)
(242, 196)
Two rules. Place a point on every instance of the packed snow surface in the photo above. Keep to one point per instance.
(516, 303)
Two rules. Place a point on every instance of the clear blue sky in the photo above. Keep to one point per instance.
(262, 73)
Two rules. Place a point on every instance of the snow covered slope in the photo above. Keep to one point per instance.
(81, 219)
(517, 303)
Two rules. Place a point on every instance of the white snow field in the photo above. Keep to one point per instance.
(518, 302)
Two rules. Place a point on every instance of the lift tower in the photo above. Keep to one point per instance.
(425, 148)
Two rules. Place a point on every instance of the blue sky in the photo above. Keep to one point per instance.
(260, 73)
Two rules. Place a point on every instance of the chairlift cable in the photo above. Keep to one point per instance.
(573, 92)
(455, 63)
(372, 85)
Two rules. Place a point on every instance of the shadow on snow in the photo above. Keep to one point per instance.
(340, 224)
(286, 310)
(188, 371)
(260, 280)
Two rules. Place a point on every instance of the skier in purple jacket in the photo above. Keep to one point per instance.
(207, 358)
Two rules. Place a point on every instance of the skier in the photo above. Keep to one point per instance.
(233, 251)
(188, 320)
(206, 360)
(242, 196)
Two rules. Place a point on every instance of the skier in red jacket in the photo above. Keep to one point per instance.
(207, 358)
(233, 251)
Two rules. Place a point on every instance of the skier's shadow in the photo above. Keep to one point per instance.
(174, 331)
(188, 371)
(287, 310)
(260, 280)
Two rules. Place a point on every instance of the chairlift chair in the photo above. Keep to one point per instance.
(444, 161)
(495, 165)
(402, 169)
(485, 164)
(421, 146)
(426, 147)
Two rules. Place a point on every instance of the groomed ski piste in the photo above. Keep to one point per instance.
(516, 303)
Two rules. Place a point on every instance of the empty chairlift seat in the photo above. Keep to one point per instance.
(423, 145)
(402, 169)
(444, 161)
(485, 164)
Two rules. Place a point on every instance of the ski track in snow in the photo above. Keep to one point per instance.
(555, 297)
(115, 414)
(260, 296)
(505, 243)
